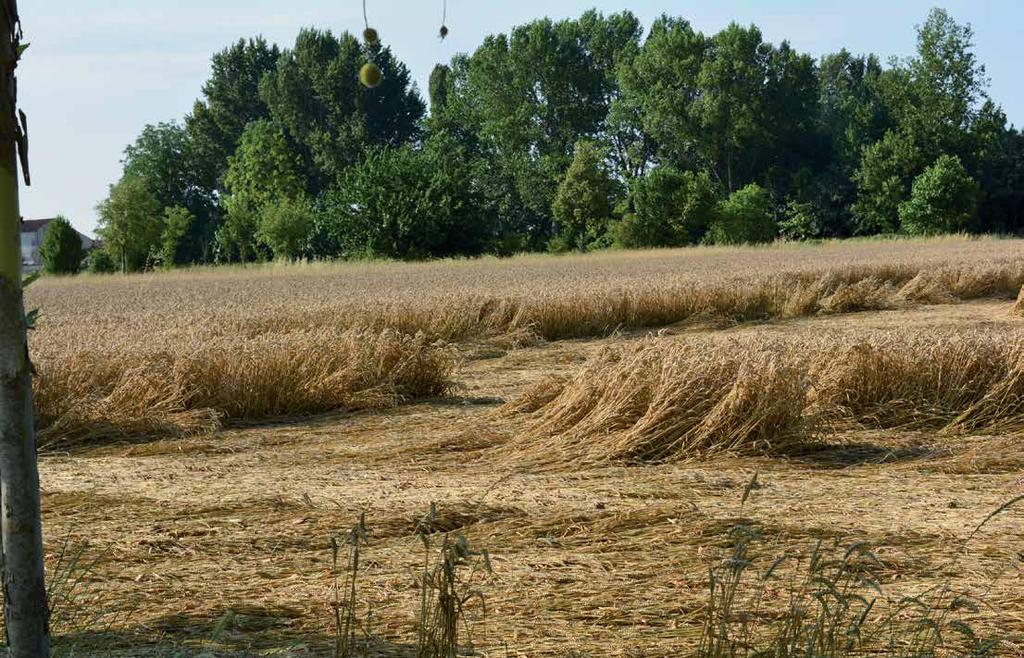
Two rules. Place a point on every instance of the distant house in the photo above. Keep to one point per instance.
(32, 232)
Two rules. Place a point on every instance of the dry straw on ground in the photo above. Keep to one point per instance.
(219, 544)
(668, 399)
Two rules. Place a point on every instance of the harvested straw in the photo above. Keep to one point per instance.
(1018, 307)
(664, 400)
(189, 389)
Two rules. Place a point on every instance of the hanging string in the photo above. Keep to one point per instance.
(370, 74)
(444, 19)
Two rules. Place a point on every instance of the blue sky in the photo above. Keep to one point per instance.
(99, 70)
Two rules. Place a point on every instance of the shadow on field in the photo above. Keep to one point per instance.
(848, 455)
(153, 645)
(234, 636)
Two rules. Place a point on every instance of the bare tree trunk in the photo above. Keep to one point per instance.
(26, 615)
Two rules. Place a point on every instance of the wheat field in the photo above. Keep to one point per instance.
(604, 424)
(177, 353)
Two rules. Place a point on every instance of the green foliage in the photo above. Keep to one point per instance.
(851, 111)
(231, 100)
(101, 262)
(237, 235)
(285, 227)
(844, 138)
(944, 200)
(265, 168)
(405, 203)
(746, 217)
(946, 86)
(440, 86)
(673, 208)
(315, 96)
(61, 249)
(998, 154)
(129, 222)
(801, 222)
(886, 173)
(583, 202)
(660, 85)
(535, 93)
(161, 157)
(177, 221)
(166, 158)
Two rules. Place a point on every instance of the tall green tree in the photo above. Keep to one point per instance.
(129, 222)
(165, 156)
(948, 85)
(749, 96)
(934, 98)
(315, 96)
(230, 101)
(61, 249)
(852, 115)
(659, 86)
(534, 94)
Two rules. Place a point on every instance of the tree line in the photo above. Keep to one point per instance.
(566, 135)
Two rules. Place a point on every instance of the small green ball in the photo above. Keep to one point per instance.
(370, 75)
(370, 36)
(444, 32)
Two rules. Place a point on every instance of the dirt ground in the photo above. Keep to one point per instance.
(220, 545)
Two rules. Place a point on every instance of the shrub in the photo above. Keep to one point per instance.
(177, 221)
(802, 222)
(238, 232)
(746, 217)
(406, 203)
(673, 208)
(285, 227)
(944, 199)
(883, 182)
(61, 249)
(101, 262)
(583, 202)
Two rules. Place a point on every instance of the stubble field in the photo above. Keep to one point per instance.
(604, 425)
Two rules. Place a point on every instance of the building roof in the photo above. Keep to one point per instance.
(33, 225)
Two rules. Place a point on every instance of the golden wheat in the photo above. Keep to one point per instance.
(668, 399)
(188, 388)
(172, 353)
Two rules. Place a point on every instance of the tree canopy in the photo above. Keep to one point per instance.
(571, 134)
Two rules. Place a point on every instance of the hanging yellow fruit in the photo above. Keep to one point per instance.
(370, 75)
